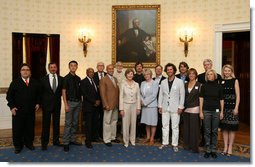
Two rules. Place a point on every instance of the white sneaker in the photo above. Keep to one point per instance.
(175, 148)
(162, 146)
(126, 145)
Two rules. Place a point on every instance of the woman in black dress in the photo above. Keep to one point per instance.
(229, 124)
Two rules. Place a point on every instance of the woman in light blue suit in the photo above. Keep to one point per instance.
(149, 91)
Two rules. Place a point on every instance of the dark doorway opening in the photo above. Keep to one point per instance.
(236, 52)
(36, 50)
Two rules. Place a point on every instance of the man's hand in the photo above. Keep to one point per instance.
(160, 110)
(37, 106)
(107, 108)
(138, 111)
(122, 113)
(179, 111)
(67, 108)
(14, 111)
(97, 103)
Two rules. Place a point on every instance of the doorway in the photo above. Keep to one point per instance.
(37, 50)
(236, 52)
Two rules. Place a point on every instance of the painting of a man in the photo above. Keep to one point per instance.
(136, 34)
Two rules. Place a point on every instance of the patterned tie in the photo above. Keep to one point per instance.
(101, 76)
(54, 83)
(26, 82)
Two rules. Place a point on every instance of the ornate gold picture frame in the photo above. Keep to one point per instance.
(136, 34)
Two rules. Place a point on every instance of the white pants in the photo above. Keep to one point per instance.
(110, 125)
(175, 119)
(129, 123)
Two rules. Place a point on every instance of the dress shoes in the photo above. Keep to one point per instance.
(30, 147)
(17, 150)
(206, 155)
(115, 141)
(44, 147)
(75, 143)
(96, 140)
(214, 155)
(89, 146)
(66, 148)
(108, 144)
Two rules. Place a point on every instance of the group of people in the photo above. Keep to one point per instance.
(148, 106)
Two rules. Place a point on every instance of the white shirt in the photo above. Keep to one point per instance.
(90, 80)
(51, 80)
(157, 79)
(99, 75)
(25, 79)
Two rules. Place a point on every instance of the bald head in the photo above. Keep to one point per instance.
(110, 69)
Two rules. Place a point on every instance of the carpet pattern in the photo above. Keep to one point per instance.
(117, 153)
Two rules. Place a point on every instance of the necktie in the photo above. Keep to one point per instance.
(54, 84)
(93, 83)
(26, 82)
(113, 81)
(101, 76)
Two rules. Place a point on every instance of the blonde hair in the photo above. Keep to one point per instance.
(147, 71)
(214, 73)
(230, 67)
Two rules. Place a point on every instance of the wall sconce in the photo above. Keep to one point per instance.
(186, 41)
(84, 40)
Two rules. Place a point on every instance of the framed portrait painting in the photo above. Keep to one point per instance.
(136, 34)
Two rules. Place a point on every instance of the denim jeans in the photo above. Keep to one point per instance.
(211, 124)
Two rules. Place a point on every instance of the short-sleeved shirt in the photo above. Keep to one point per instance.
(72, 85)
(212, 93)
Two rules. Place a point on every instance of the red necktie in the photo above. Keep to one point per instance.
(26, 82)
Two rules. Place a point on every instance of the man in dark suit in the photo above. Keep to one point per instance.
(97, 77)
(51, 91)
(91, 101)
(159, 78)
(23, 100)
(131, 44)
(183, 69)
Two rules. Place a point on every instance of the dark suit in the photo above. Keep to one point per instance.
(90, 95)
(186, 78)
(132, 48)
(158, 134)
(51, 104)
(24, 98)
(100, 107)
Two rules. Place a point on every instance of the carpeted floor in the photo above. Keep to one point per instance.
(117, 153)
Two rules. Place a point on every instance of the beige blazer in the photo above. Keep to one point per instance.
(109, 93)
(130, 95)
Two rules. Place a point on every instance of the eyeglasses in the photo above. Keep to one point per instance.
(25, 69)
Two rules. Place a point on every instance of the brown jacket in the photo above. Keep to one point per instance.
(109, 93)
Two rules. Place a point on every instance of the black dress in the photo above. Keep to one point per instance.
(230, 121)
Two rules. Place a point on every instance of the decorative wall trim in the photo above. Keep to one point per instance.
(219, 29)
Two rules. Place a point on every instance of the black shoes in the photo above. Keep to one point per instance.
(89, 146)
(214, 155)
(30, 147)
(75, 143)
(108, 144)
(96, 140)
(66, 148)
(17, 150)
(206, 155)
(115, 141)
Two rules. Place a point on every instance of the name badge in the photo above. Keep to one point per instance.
(222, 82)
(217, 110)
(196, 87)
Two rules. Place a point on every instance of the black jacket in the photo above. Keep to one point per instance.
(23, 97)
(49, 99)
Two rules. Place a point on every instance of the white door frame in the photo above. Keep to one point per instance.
(219, 30)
